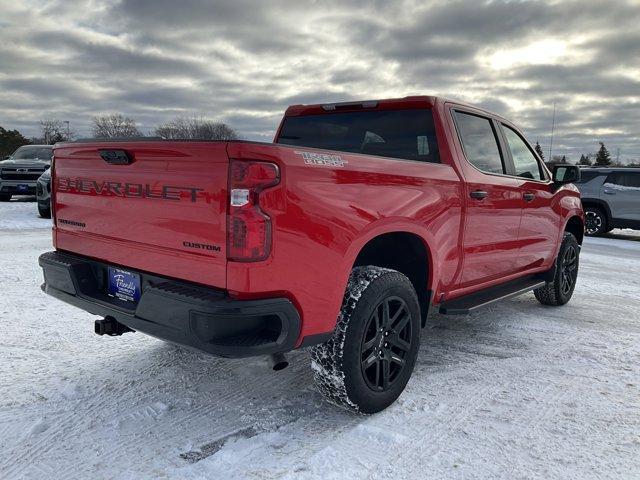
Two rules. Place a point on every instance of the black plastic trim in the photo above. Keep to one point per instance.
(315, 339)
(177, 311)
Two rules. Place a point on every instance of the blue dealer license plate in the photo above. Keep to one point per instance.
(22, 188)
(124, 285)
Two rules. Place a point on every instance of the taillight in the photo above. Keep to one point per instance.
(248, 227)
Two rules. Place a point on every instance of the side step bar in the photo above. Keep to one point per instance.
(469, 303)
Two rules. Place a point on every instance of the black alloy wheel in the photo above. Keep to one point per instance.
(569, 272)
(386, 343)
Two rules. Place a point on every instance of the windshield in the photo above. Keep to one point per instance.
(405, 134)
(32, 152)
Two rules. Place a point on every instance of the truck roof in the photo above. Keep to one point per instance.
(418, 101)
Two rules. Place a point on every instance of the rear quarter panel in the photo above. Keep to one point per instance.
(323, 215)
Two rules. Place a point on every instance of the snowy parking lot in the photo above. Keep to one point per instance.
(515, 391)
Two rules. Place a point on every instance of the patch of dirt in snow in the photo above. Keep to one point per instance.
(517, 390)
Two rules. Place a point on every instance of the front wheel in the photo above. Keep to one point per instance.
(560, 289)
(367, 363)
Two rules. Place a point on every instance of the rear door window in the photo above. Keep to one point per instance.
(403, 134)
(525, 163)
(479, 142)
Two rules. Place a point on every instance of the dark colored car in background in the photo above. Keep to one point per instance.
(610, 198)
(43, 194)
(20, 172)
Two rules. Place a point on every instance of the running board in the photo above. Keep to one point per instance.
(469, 303)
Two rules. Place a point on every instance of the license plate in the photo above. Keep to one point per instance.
(124, 285)
(22, 188)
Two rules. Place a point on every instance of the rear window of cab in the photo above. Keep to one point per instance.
(402, 134)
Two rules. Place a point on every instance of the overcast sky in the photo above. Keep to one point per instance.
(243, 62)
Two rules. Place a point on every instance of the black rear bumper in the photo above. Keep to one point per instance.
(180, 312)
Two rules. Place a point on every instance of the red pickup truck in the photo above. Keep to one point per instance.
(343, 235)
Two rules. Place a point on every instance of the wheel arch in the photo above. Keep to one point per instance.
(404, 251)
(575, 225)
(601, 204)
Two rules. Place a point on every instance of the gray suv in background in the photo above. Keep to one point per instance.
(611, 198)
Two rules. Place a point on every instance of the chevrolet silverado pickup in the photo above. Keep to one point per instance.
(342, 235)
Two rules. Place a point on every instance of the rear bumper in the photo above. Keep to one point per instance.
(176, 311)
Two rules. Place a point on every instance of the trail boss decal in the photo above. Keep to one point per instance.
(126, 190)
(322, 159)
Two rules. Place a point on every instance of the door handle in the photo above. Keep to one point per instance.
(609, 192)
(478, 194)
(528, 196)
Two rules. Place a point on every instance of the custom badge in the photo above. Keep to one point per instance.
(322, 159)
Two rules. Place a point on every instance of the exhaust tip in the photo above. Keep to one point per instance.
(278, 361)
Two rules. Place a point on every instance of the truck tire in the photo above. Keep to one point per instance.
(367, 363)
(5, 197)
(559, 291)
(595, 222)
(44, 212)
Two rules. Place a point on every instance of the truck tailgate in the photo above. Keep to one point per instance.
(154, 206)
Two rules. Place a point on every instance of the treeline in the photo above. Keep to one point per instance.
(117, 125)
(602, 158)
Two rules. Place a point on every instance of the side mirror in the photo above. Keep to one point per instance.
(563, 174)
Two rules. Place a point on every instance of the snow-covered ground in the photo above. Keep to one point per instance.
(515, 391)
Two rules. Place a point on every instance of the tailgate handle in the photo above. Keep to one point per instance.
(116, 157)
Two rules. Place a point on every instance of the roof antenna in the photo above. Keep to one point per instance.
(553, 124)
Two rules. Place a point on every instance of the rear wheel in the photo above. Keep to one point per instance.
(5, 197)
(367, 363)
(595, 221)
(559, 291)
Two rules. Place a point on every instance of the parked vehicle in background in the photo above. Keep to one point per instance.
(341, 235)
(610, 198)
(20, 172)
(43, 194)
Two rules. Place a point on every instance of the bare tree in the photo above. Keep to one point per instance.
(114, 125)
(52, 131)
(194, 128)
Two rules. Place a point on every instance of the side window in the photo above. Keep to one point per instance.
(479, 142)
(588, 175)
(524, 160)
(634, 180)
(624, 179)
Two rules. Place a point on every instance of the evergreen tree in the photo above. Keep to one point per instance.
(539, 151)
(603, 157)
(585, 160)
(10, 140)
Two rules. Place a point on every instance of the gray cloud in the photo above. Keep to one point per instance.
(243, 62)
